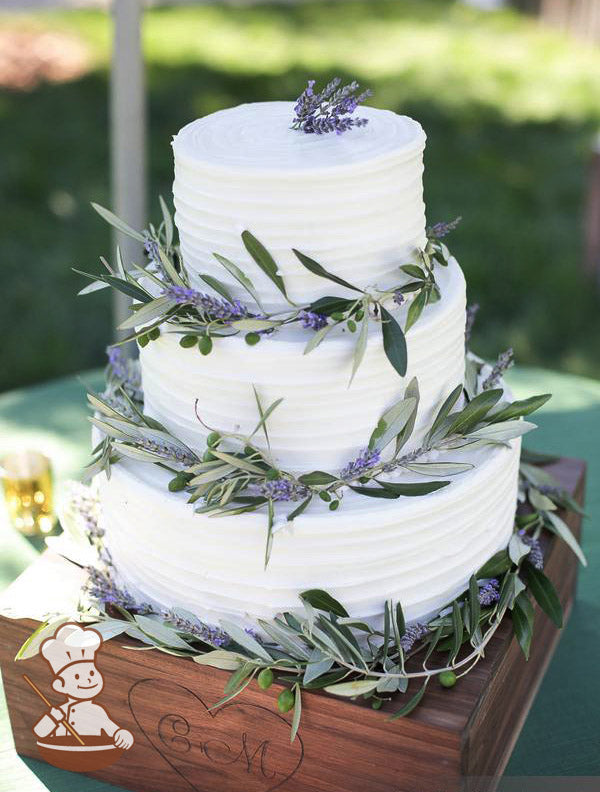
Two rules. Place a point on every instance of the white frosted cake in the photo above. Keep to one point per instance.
(353, 203)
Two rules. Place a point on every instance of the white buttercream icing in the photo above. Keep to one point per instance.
(321, 422)
(419, 551)
(354, 202)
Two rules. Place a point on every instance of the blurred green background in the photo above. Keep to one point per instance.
(511, 110)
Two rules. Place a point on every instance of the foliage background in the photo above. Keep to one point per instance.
(510, 109)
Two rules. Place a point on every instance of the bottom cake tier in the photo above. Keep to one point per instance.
(419, 551)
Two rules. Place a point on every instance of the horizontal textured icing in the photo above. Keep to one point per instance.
(321, 422)
(353, 202)
(419, 551)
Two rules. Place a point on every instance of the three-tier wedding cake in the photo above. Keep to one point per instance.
(353, 203)
(305, 478)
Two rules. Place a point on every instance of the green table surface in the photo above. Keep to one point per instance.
(561, 736)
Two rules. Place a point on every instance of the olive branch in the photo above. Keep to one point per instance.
(319, 645)
(235, 474)
(164, 296)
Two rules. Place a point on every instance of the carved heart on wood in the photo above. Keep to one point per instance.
(246, 743)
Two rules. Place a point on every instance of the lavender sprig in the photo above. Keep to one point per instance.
(536, 554)
(283, 490)
(205, 632)
(471, 316)
(489, 592)
(440, 230)
(212, 307)
(87, 507)
(100, 586)
(399, 298)
(118, 402)
(364, 462)
(328, 111)
(414, 632)
(123, 373)
(412, 456)
(504, 362)
(151, 249)
(312, 321)
(117, 362)
(166, 450)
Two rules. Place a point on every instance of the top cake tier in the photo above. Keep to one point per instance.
(353, 202)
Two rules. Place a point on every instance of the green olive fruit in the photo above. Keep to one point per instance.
(285, 701)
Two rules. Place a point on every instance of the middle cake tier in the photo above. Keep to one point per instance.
(322, 421)
(420, 551)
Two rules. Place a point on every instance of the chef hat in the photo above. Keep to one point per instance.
(71, 644)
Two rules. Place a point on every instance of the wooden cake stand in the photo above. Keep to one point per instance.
(456, 739)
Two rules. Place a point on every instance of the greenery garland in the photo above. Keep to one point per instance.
(233, 475)
(164, 295)
(321, 646)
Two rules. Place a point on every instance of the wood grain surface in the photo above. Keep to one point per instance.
(181, 745)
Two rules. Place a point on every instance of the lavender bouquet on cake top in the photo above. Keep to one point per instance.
(330, 110)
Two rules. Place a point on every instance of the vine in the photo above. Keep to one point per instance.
(319, 645)
(235, 475)
(164, 296)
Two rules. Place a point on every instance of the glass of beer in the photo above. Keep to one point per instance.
(27, 482)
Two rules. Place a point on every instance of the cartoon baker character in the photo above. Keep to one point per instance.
(71, 656)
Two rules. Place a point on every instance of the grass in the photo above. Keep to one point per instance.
(510, 110)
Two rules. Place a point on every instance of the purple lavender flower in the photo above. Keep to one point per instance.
(151, 248)
(305, 101)
(398, 297)
(489, 592)
(223, 309)
(124, 373)
(323, 124)
(328, 111)
(87, 506)
(205, 632)
(101, 587)
(414, 632)
(167, 450)
(504, 362)
(412, 456)
(117, 362)
(181, 295)
(212, 307)
(120, 404)
(440, 230)
(282, 489)
(365, 461)
(312, 321)
(471, 315)
(536, 554)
